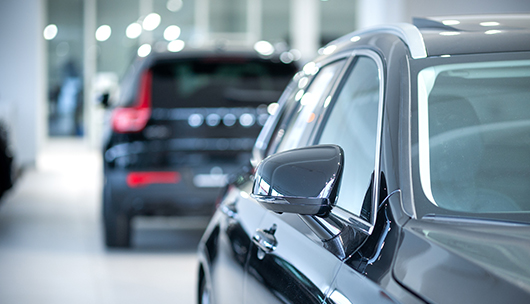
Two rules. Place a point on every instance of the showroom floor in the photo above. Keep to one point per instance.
(51, 247)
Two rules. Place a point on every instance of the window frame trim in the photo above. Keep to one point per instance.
(338, 211)
(345, 62)
(259, 151)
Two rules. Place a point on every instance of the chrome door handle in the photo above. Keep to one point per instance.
(265, 239)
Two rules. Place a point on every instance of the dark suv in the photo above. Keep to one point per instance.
(182, 122)
(397, 169)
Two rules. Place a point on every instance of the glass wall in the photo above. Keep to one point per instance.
(337, 18)
(228, 16)
(115, 53)
(125, 28)
(65, 63)
(275, 21)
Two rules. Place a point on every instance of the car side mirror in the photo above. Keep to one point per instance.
(303, 181)
(103, 100)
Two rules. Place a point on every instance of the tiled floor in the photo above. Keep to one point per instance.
(51, 248)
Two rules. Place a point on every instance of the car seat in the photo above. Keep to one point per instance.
(456, 150)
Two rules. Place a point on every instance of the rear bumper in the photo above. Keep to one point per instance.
(179, 198)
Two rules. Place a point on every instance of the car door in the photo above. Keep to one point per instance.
(287, 262)
(228, 245)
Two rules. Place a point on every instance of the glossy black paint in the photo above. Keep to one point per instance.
(488, 257)
(280, 275)
(470, 37)
(303, 181)
(7, 163)
(403, 257)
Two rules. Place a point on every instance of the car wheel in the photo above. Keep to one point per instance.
(204, 292)
(117, 224)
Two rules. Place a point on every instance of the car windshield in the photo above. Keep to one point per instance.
(473, 128)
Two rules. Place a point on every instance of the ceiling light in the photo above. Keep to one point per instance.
(103, 33)
(310, 68)
(328, 50)
(176, 46)
(450, 22)
(134, 30)
(151, 21)
(144, 50)
(449, 33)
(492, 32)
(490, 23)
(286, 57)
(264, 47)
(171, 32)
(50, 31)
(174, 5)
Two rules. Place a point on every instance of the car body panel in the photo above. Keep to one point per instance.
(409, 254)
(475, 34)
(227, 242)
(352, 287)
(448, 260)
(282, 276)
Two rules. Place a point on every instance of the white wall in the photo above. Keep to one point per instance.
(305, 27)
(373, 12)
(22, 74)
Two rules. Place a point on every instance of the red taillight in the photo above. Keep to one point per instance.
(134, 119)
(127, 120)
(141, 179)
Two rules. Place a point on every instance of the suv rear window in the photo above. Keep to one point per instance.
(218, 82)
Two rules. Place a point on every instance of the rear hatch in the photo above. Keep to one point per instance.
(204, 114)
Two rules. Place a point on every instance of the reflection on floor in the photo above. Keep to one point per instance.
(51, 247)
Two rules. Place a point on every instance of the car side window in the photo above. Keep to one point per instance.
(352, 124)
(299, 120)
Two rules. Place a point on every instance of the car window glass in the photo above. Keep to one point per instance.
(126, 94)
(473, 125)
(279, 130)
(304, 112)
(212, 82)
(352, 124)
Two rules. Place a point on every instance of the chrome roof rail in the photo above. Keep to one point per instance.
(409, 33)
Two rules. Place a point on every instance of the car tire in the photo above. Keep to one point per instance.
(117, 225)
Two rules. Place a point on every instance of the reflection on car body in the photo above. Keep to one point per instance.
(396, 170)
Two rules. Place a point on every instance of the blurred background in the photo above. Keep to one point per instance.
(58, 48)
(58, 57)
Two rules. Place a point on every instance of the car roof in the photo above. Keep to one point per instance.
(450, 35)
(210, 52)
(475, 34)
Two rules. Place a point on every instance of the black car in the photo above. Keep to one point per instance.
(397, 170)
(7, 167)
(182, 121)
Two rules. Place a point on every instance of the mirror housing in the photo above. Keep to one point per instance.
(304, 181)
(103, 100)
